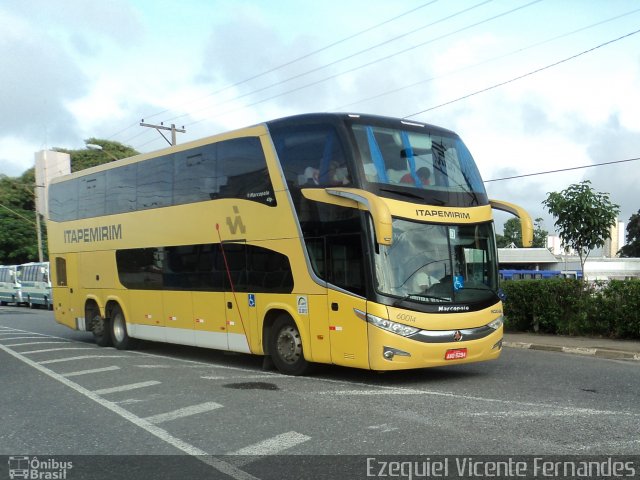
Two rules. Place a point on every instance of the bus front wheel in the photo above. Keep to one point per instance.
(285, 347)
(119, 336)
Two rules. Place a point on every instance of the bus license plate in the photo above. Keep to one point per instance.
(456, 354)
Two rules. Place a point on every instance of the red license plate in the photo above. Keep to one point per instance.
(456, 354)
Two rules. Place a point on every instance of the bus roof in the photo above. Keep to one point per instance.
(305, 118)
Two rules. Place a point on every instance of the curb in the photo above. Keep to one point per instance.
(587, 351)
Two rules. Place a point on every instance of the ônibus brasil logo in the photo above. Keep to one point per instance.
(36, 469)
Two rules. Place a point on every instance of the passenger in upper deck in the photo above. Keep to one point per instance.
(423, 174)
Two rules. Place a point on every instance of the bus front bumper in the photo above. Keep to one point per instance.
(389, 351)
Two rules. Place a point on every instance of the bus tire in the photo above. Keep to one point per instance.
(100, 328)
(285, 347)
(119, 336)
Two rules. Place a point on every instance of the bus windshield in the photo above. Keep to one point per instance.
(429, 263)
(429, 164)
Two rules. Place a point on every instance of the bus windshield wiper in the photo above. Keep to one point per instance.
(402, 193)
(419, 295)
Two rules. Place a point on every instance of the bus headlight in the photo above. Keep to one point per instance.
(388, 325)
(497, 323)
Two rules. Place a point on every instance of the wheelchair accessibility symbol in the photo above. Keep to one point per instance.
(252, 300)
(458, 282)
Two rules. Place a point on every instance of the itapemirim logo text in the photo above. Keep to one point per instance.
(33, 468)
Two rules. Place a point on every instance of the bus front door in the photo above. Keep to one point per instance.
(348, 333)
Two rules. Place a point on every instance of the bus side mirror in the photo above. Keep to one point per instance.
(525, 219)
(379, 211)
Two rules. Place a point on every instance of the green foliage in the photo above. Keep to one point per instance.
(86, 158)
(632, 248)
(563, 306)
(583, 217)
(18, 237)
(512, 233)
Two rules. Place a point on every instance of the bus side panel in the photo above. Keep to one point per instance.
(64, 277)
(349, 342)
(97, 270)
(320, 335)
(178, 317)
(210, 320)
(146, 315)
(237, 314)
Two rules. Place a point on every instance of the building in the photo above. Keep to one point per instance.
(610, 249)
(595, 268)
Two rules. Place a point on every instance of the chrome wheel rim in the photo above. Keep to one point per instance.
(119, 331)
(289, 345)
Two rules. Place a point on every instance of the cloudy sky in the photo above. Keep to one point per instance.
(566, 75)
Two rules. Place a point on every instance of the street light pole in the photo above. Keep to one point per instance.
(93, 146)
(38, 227)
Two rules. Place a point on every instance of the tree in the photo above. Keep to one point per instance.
(86, 157)
(632, 248)
(512, 233)
(18, 239)
(583, 216)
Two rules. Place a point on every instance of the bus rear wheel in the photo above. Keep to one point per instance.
(99, 328)
(285, 347)
(119, 336)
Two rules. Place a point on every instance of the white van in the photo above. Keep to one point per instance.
(10, 288)
(36, 285)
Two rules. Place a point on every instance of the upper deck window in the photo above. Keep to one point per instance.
(312, 156)
(234, 168)
(429, 164)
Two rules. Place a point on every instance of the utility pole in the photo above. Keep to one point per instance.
(163, 127)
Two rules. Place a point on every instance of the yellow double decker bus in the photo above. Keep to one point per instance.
(353, 240)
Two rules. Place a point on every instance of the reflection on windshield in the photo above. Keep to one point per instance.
(419, 160)
(438, 263)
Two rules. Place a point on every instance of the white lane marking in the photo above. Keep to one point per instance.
(274, 445)
(395, 391)
(129, 401)
(383, 428)
(79, 357)
(48, 342)
(4, 334)
(451, 395)
(235, 377)
(568, 412)
(125, 388)
(90, 371)
(183, 412)
(31, 337)
(220, 465)
(56, 350)
(153, 366)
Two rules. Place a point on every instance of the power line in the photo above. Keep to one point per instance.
(562, 170)
(306, 55)
(501, 84)
(322, 67)
(355, 68)
(493, 59)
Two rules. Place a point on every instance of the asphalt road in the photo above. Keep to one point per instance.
(224, 417)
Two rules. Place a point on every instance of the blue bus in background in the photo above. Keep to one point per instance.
(506, 275)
